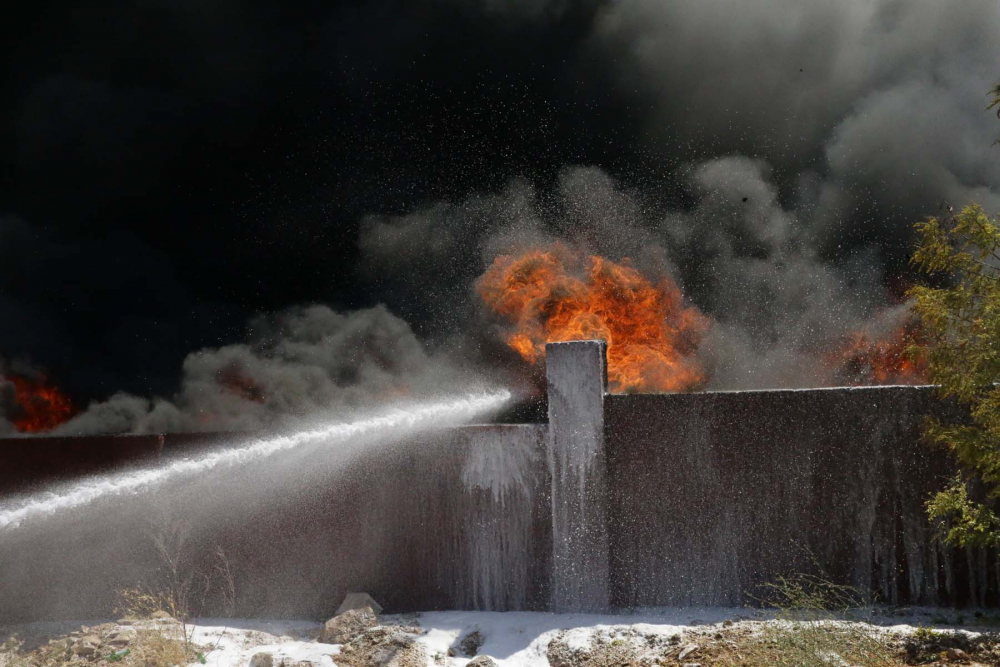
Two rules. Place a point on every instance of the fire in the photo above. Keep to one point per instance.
(870, 360)
(42, 406)
(557, 295)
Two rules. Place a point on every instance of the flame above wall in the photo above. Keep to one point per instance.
(556, 294)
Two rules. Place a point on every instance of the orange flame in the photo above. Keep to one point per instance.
(867, 360)
(548, 296)
(42, 406)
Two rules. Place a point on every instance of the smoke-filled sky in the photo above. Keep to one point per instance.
(312, 189)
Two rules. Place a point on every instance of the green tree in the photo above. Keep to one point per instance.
(961, 345)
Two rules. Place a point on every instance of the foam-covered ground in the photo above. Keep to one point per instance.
(512, 639)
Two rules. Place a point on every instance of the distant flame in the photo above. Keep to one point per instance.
(235, 382)
(42, 406)
(865, 359)
(556, 295)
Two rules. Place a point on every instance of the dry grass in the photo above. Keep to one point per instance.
(153, 648)
(156, 646)
(819, 624)
(807, 644)
(139, 603)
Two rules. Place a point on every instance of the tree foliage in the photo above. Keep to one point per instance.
(995, 102)
(961, 344)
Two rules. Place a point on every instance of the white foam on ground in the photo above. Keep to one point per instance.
(234, 644)
(512, 639)
(421, 415)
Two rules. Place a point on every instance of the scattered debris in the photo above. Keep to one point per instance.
(344, 627)
(384, 646)
(262, 659)
(687, 650)
(397, 642)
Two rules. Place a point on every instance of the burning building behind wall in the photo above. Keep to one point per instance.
(653, 333)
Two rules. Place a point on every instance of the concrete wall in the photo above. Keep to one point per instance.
(31, 464)
(450, 519)
(577, 382)
(714, 494)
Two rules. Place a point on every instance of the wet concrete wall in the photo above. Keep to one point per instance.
(620, 501)
(577, 381)
(448, 519)
(713, 495)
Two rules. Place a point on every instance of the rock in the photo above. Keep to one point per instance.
(358, 601)
(347, 626)
(162, 616)
(957, 655)
(383, 647)
(87, 646)
(482, 661)
(472, 642)
(688, 650)
(262, 659)
(119, 639)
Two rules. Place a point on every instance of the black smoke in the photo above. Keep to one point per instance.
(172, 170)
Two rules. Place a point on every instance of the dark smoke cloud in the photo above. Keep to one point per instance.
(168, 170)
(881, 102)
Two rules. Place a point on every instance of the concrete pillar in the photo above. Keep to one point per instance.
(577, 381)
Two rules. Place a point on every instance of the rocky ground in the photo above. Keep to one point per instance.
(360, 637)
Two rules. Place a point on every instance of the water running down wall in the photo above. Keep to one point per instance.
(620, 501)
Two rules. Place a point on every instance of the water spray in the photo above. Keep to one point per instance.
(422, 415)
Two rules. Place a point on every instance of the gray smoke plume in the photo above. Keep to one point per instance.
(806, 140)
(743, 258)
(300, 364)
(880, 105)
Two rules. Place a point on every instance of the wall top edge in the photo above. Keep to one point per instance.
(565, 343)
(786, 390)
